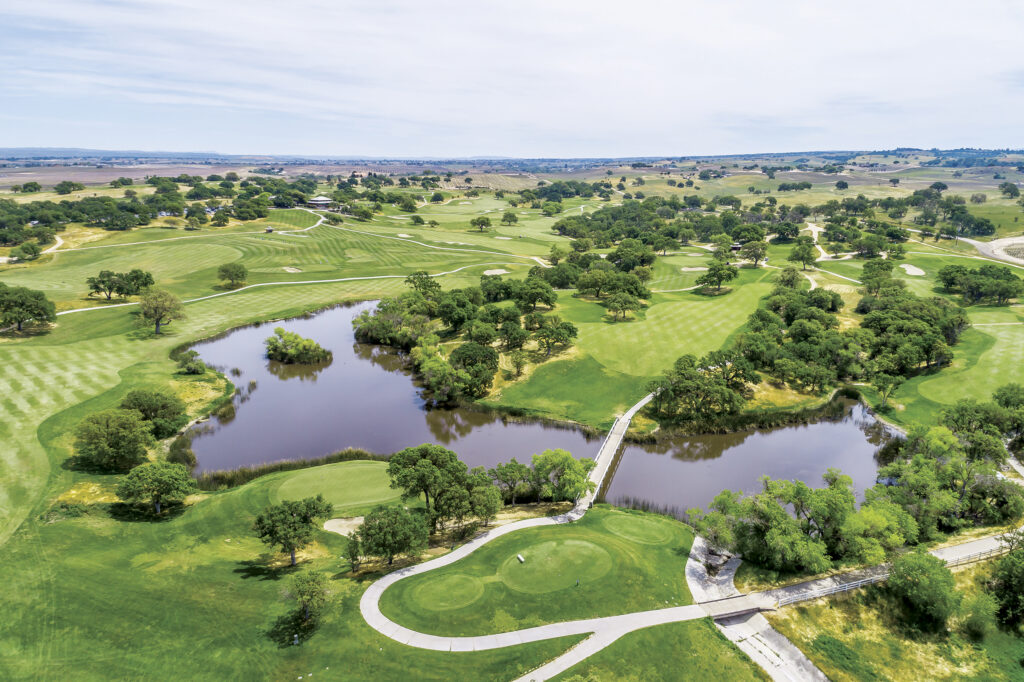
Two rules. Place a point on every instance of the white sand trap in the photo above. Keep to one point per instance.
(465, 202)
(402, 234)
(343, 526)
(911, 269)
(460, 243)
(695, 269)
(509, 238)
(289, 269)
(499, 271)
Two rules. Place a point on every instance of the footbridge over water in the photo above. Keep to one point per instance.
(606, 454)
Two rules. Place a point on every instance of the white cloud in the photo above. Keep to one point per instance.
(528, 78)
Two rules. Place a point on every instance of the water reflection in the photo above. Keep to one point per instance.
(363, 398)
(697, 468)
(284, 371)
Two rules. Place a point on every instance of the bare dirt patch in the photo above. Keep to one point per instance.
(343, 526)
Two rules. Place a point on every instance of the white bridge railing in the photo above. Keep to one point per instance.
(881, 577)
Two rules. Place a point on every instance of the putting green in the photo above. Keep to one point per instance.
(555, 565)
(644, 531)
(448, 592)
(349, 486)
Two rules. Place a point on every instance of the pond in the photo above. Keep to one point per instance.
(364, 398)
(689, 471)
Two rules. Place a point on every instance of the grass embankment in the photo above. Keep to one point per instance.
(624, 560)
(692, 650)
(107, 595)
(861, 636)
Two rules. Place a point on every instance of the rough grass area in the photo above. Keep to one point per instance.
(625, 561)
(692, 650)
(861, 636)
(92, 593)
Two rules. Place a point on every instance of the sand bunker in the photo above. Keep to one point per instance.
(503, 238)
(911, 269)
(290, 269)
(343, 526)
(694, 269)
(499, 271)
(402, 234)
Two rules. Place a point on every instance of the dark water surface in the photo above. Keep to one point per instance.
(689, 471)
(363, 398)
(366, 398)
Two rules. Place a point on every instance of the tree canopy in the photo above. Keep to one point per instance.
(160, 307)
(19, 305)
(290, 524)
(389, 531)
(290, 348)
(156, 482)
(114, 440)
(234, 274)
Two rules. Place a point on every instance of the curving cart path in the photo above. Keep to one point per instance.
(604, 630)
(737, 615)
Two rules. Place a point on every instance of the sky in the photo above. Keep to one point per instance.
(522, 78)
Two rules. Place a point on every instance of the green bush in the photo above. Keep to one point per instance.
(926, 587)
(162, 409)
(980, 616)
(290, 348)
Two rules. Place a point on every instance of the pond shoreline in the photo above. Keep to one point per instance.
(368, 404)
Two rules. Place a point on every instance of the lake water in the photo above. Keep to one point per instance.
(366, 398)
(689, 471)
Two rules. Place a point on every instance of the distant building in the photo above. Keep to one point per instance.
(320, 202)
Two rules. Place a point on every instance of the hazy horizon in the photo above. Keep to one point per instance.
(530, 80)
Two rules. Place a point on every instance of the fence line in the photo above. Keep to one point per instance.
(881, 577)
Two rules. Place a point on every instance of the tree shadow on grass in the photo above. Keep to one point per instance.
(139, 513)
(286, 627)
(263, 569)
(27, 332)
(711, 292)
(84, 466)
